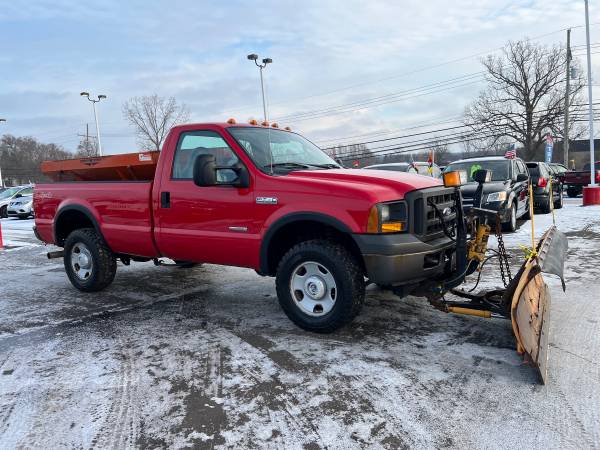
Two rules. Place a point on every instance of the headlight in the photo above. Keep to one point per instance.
(387, 218)
(496, 196)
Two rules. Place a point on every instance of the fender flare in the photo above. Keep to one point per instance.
(291, 218)
(82, 209)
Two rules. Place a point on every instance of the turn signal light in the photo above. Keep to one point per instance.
(231, 121)
(373, 222)
(393, 227)
(455, 178)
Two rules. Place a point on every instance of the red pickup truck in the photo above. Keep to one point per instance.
(257, 197)
(576, 180)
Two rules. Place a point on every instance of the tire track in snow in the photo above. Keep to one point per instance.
(120, 427)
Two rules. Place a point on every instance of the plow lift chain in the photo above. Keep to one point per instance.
(502, 255)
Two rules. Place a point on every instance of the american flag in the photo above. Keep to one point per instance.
(511, 153)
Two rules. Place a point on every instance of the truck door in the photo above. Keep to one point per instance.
(204, 224)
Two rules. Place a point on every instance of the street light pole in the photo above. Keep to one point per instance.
(100, 97)
(1, 179)
(265, 61)
(589, 83)
(567, 99)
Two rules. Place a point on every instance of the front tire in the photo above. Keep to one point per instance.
(89, 263)
(511, 225)
(3, 213)
(320, 285)
(572, 192)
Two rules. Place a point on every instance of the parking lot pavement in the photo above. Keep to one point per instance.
(205, 358)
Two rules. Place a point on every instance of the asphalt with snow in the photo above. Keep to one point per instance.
(205, 358)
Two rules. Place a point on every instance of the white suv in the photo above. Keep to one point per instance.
(16, 194)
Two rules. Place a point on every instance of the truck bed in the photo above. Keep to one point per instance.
(124, 167)
(121, 209)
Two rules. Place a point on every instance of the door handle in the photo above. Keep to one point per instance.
(165, 199)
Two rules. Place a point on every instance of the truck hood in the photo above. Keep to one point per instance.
(468, 190)
(381, 184)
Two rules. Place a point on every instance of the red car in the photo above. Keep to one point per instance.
(250, 196)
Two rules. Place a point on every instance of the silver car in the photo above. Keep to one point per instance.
(13, 193)
(21, 207)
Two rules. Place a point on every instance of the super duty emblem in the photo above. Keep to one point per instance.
(266, 200)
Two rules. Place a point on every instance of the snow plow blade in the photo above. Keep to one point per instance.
(530, 304)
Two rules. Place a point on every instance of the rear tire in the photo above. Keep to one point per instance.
(3, 214)
(511, 225)
(572, 192)
(545, 208)
(89, 263)
(558, 203)
(327, 278)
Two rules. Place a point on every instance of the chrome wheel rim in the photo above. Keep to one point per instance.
(81, 261)
(313, 288)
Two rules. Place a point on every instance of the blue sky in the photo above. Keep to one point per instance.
(196, 52)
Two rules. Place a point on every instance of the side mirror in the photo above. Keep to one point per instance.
(207, 173)
(522, 177)
(204, 171)
(18, 196)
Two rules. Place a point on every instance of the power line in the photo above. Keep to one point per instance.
(473, 136)
(461, 78)
(578, 105)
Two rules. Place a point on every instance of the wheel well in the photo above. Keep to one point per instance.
(305, 230)
(69, 221)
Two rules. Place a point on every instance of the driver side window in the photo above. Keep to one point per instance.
(202, 142)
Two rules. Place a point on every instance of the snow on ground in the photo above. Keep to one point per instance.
(205, 358)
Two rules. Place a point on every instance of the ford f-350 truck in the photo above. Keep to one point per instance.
(250, 196)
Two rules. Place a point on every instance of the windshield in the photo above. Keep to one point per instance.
(9, 193)
(280, 149)
(500, 169)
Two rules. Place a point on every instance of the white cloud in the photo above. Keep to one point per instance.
(196, 52)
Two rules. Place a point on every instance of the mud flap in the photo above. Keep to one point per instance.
(530, 305)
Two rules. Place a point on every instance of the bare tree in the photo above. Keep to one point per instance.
(524, 99)
(152, 117)
(440, 152)
(87, 148)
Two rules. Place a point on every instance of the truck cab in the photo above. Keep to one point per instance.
(258, 197)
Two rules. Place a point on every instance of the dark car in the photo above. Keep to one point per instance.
(542, 176)
(420, 168)
(507, 192)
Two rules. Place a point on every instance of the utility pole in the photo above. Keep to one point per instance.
(567, 99)
(87, 139)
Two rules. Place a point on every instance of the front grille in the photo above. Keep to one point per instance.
(425, 220)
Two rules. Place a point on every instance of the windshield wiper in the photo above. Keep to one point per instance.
(327, 166)
(291, 165)
(288, 165)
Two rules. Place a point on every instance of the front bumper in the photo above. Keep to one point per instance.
(397, 259)
(18, 211)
